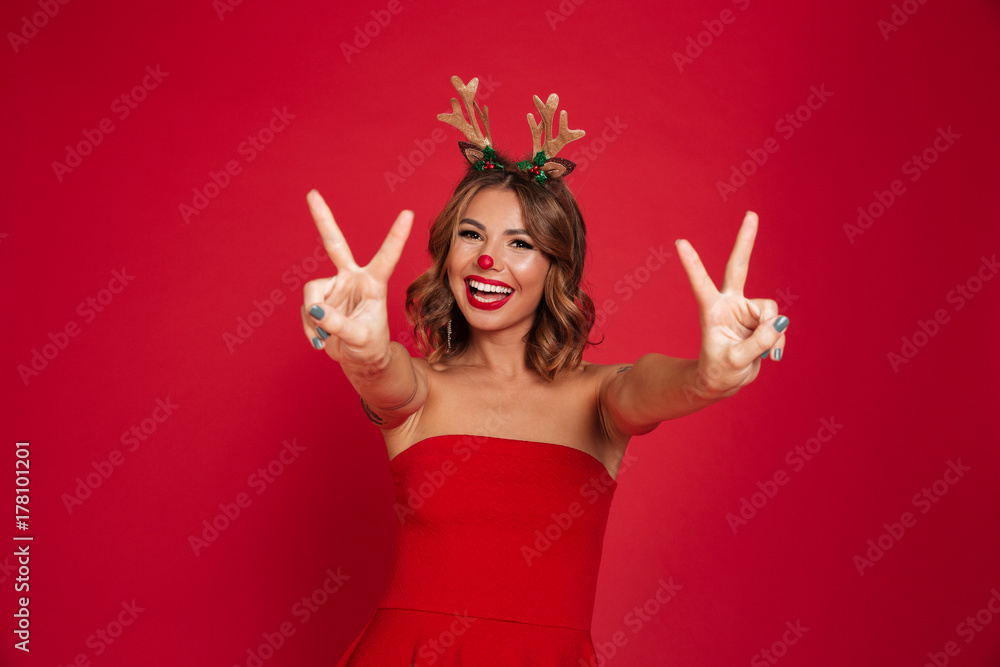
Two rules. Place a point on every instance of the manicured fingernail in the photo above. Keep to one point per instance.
(322, 334)
(781, 324)
(764, 356)
(316, 312)
(777, 354)
(317, 343)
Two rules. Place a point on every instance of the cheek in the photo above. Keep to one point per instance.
(460, 254)
(455, 259)
(533, 270)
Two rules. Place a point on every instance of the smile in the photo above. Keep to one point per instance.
(487, 296)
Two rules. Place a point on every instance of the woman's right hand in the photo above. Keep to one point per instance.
(346, 314)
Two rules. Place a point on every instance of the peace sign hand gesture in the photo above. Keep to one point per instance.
(346, 314)
(735, 331)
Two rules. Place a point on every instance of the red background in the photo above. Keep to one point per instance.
(680, 130)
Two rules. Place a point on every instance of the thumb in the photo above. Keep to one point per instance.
(338, 325)
(763, 338)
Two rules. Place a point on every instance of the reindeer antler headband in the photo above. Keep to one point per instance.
(479, 148)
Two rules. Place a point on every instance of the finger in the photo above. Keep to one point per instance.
(333, 240)
(335, 324)
(311, 334)
(779, 349)
(704, 289)
(763, 309)
(316, 291)
(388, 255)
(314, 295)
(739, 260)
(764, 338)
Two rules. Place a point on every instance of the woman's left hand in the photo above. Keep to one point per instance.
(735, 331)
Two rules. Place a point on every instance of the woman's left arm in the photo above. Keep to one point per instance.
(735, 334)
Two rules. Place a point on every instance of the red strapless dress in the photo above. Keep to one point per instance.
(497, 556)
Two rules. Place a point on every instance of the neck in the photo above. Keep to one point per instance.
(502, 353)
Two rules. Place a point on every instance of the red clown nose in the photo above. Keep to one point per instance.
(485, 262)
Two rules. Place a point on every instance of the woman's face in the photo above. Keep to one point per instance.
(507, 293)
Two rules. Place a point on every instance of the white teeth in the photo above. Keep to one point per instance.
(482, 287)
(484, 298)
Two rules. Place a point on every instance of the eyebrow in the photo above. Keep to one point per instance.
(482, 227)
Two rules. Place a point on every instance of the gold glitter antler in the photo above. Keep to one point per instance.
(544, 163)
(457, 119)
(478, 149)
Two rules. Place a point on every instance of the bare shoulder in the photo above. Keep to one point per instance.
(604, 373)
(423, 364)
(440, 371)
(397, 435)
(601, 380)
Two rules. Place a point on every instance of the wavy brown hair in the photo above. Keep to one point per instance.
(565, 315)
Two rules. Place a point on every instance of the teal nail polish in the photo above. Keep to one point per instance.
(777, 354)
(322, 334)
(781, 324)
(316, 312)
(764, 356)
(317, 343)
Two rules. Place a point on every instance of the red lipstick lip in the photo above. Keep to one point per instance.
(493, 305)
(487, 281)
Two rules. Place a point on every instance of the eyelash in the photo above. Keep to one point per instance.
(526, 246)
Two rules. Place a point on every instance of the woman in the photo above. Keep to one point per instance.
(504, 444)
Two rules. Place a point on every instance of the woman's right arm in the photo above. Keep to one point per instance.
(346, 316)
